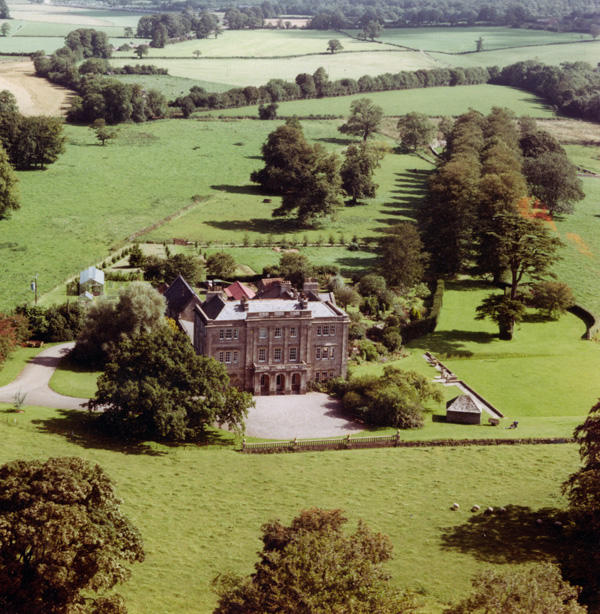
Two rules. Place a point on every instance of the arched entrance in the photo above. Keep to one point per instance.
(279, 383)
(296, 383)
(264, 384)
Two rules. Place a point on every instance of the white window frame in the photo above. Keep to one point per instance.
(318, 353)
(331, 353)
(221, 334)
(228, 357)
(325, 354)
(319, 331)
(293, 332)
(262, 333)
(326, 330)
(277, 334)
(277, 354)
(293, 354)
(229, 333)
(317, 376)
(236, 356)
(236, 333)
(221, 356)
(262, 352)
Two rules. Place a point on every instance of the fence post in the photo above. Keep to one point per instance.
(348, 441)
(397, 442)
(295, 443)
(243, 444)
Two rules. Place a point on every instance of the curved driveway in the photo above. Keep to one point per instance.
(274, 417)
(35, 378)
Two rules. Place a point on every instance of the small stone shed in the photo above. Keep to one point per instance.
(91, 280)
(462, 410)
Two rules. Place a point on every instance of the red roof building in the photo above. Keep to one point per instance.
(238, 290)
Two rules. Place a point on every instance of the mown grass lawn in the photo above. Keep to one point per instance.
(434, 101)
(74, 380)
(200, 511)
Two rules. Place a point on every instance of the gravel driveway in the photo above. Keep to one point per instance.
(302, 416)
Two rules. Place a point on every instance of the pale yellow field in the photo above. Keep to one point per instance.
(55, 14)
(34, 96)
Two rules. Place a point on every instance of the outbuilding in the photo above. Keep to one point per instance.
(91, 280)
(463, 410)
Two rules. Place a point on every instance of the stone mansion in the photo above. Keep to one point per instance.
(275, 343)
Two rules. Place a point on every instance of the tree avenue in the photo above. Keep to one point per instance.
(64, 542)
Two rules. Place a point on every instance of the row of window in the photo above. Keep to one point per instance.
(325, 353)
(263, 333)
(322, 376)
(229, 357)
(278, 354)
(325, 330)
(228, 333)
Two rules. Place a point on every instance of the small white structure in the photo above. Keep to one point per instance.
(91, 280)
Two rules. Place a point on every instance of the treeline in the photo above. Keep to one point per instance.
(573, 88)
(99, 97)
(318, 85)
(166, 28)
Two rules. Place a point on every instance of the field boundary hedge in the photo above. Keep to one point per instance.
(390, 441)
(591, 321)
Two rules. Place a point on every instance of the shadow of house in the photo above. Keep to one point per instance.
(181, 301)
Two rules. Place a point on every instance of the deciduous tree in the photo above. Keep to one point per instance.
(10, 198)
(416, 130)
(552, 298)
(142, 50)
(364, 118)
(221, 264)
(360, 162)
(64, 542)
(537, 589)
(102, 131)
(295, 268)
(156, 387)
(334, 45)
(400, 256)
(312, 566)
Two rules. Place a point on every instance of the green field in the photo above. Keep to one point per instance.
(171, 87)
(199, 511)
(434, 101)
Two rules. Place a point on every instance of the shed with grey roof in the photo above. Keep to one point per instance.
(463, 410)
(91, 280)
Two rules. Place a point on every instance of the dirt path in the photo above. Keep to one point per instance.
(35, 96)
(34, 380)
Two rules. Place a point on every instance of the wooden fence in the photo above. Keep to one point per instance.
(389, 441)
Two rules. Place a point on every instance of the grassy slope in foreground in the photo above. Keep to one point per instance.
(200, 511)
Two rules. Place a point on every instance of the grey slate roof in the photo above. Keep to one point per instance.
(179, 294)
(218, 309)
(463, 403)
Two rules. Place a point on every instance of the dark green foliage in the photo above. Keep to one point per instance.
(4, 12)
(552, 298)
(268, 112)
(360, 162)
(221, 264)
(88, 43)
(372, 285)
(295, 268)
(10, 197)
(165, 270)
(504, 311)
(416, 130)
(156, 387)
(371, 31)
(537, 589)
(306, 175)
(64, 538)
(345, 296)
(207, 24)
(364, 118)
(312, 567)
(396, 399)
(334, 45)
(140, 308)
(401, 259)
(137, 258)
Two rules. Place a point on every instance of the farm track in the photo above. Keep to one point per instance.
(34, 96)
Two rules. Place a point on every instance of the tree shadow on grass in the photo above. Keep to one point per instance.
(514, 536)
(338, 141)
(264, 226)
(452, 342)
(80, 428)
(240, 189)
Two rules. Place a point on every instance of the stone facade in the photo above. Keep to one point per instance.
(274, 346)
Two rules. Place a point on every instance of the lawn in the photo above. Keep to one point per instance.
(200, 511)
(434, 101)
(74, 380)
(171, 87)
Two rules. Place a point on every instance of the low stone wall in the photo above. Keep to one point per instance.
(592, 323)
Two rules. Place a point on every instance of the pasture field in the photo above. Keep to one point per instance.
(200, 510)
(239, 72)
(434, 101)
(171, 87)
(262, 44)
(553, 54)
(461, 40)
